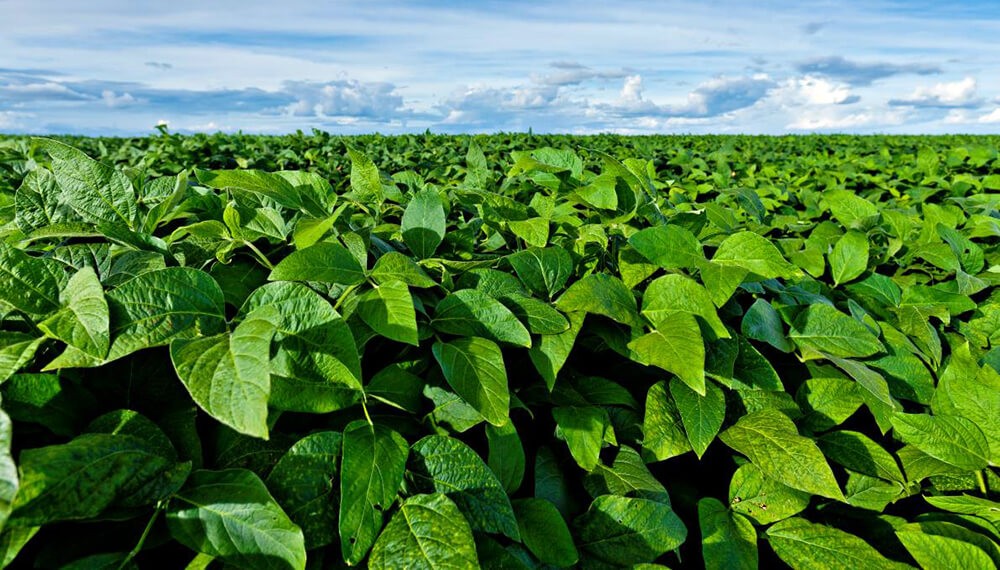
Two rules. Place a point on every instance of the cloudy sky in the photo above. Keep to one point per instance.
(120, 67)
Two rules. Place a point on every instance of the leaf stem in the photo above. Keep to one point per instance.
(260, 256)
(981, 479)
(343, 296)
(145, 534)
(364, 407)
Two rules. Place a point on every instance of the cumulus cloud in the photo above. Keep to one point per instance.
(711, 98)
(812, 90)
(966, 117)
(344, 98)
(861, 73)
(113, 100)
(943, 95)
(827, 121)
(990, 118)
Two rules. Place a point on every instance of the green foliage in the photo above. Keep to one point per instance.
(308, 351)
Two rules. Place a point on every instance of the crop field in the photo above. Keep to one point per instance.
(505, 351)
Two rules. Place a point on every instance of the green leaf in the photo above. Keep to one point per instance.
(601, 294)
(857, 452)
(849, 258)
(721, 281)
(326, 262)
(662, 427)
(550, 351)
(374, 459)
(29, 284)
(302, 482)
(16, 351)
(446, 465)
(627, 476)
(753, 253)
(428, 533)
(677, 347)
(670, 247)
(952, 439)
(771, 441)
(728, 539)
(96, 191)
(83, 322)
(470, 312)
(315, 366)
(424, 223)
(966, 390)
(477, 173)
(671, 294)
(851, 210)
(762, 322)
(802, 544)
(38, 202)
(395, 266)
(626, 530)
(762, 499)
(366, 182)
(934, 551)
(534, 231)
(538, 316)
(388, 310)
(228, 375)
(543, 270)
(545, 533)
(82, 478)
(157, 307)
(9, 481)
(702, 416)
(474, 368)
(230, 515)
(583, 429)
(822, 328)
(506, 455)
(256, 182)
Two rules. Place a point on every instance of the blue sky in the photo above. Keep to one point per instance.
(121, 67)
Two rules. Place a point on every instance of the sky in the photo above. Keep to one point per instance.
(110, 67)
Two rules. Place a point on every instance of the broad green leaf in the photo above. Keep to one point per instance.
(160, 306)
(874, 391)
(96, 191)
(256, 182)
(396, 387)
(550, 481)
(228, 375)
(802, 544)
(728, 539)
(676, 347)
(871, 493)
(315, 365)
(477, 169)
(851, 210)
(427, 533)
(762, 499)
(326, 262)
(371, 471)
(754, 253)
(474, 368)
(849, 258)
(545, 533)
(388, 310)
(857, 452)
(29, 284)
(952, 439)
(966, 390)
(534, 231)
(669, 246)
(83, 320)
(543, 270)
(956, 531)
(424, 223)
(601, 294)
(762, 322)
(9, 481)
(16, 350)
(395, 266)
(828, 402)
(13, 540)
(231, 515)
(935, 551)
(721, 281)
(822, 328)
(583, 428)
(446, 465)
(472, 313)
(662, 427)
(550, 351)
(701, 415)
(538, 316)
(366, 182)
(82, 478)
(628, 530)
(671, 294)
(303, 483)
(771, 441)
(38, 202)
(506, 455)
(627, 475)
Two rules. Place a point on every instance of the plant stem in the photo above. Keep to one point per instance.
(981, 479)
(259, 255)
(145, 534)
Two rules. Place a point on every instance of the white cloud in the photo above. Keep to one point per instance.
(966, 117)
(113, 100)
(344, 98)
(990, 118)
(835, 121)
(950, 94)
(811, 90)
